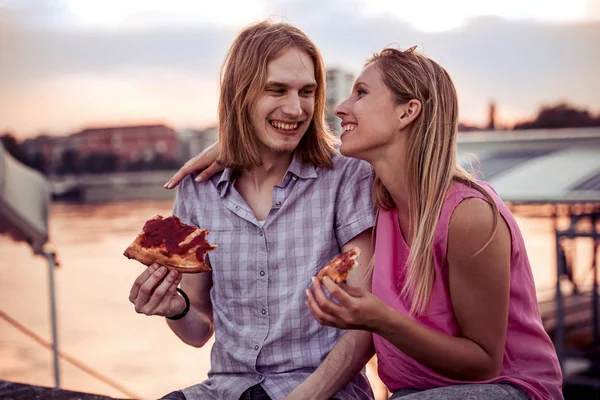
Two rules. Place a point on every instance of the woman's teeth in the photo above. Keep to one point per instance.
(284, 126)
(348, 128)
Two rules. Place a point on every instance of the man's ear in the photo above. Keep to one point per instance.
(407, 112)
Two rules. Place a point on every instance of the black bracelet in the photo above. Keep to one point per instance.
(187, 306)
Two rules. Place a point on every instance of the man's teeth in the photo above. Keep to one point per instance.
(349, 128)
(285, 127)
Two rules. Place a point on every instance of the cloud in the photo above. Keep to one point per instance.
(47, 53)
(521, 64)
(518, 63)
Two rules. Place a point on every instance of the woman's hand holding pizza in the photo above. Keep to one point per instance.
(154, 292)
(356, 308)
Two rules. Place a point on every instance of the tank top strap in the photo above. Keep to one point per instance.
(455, 195)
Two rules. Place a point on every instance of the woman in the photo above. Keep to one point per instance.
(453, 310)
(453, 307)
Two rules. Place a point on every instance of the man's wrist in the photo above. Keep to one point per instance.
(185, 310)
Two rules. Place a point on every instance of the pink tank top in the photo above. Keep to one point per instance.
(530, 360)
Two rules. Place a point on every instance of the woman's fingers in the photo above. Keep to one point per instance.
(324, 307)
(203, 162)
(194, 164)
(345, 296)
(324, 302)
(209, 172)
(316, 311)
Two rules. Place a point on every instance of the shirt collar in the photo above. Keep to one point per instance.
(225, 181)
(301, 169)
(297, 168)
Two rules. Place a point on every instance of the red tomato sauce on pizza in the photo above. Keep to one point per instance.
(172, 232)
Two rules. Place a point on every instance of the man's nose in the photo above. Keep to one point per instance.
(292, 106)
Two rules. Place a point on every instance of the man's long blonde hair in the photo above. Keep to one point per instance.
(432, 162)
(243, 79)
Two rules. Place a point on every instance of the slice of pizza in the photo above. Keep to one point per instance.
(173, 244)
(337, 270)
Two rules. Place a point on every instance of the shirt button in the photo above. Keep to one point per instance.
(294, 178)
(262, 273)
(263, 311)
(260, 376)
(260, 233)
(237, 208)
(256, 347)
(278, 204)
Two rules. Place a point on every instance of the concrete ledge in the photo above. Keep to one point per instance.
(22, 391)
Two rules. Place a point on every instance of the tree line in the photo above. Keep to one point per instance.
(561, 115)
(557, 116)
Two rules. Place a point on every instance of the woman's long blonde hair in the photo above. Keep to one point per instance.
(432, 162)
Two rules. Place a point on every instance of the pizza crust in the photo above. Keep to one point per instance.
(185, 263)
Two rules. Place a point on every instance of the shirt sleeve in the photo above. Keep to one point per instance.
(180, 209)
(355, 212)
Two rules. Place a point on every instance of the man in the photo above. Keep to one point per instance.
(285, 205)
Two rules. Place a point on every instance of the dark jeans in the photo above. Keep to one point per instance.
(487, 391)
(176, 395)
(254, 393)
(257, 393)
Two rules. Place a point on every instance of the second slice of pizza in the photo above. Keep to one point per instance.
(339, 268)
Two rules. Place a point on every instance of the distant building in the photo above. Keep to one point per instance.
(492, 117)
(126, 145)
(193, 141)
(129, 143)
(339, 86)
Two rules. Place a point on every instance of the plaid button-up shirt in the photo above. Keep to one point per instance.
(264, 332)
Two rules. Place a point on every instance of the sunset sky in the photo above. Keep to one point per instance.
(68, 64)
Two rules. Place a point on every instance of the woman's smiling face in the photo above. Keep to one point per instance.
(369, 116)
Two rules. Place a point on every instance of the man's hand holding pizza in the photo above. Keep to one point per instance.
(154, 292)
(170, 248)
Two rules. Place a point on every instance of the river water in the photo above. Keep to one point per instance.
(97, 324)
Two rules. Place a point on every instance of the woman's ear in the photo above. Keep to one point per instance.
(407, 112)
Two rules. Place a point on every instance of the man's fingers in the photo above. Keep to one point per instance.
(147, 288)
(159, 296)
(133, 293)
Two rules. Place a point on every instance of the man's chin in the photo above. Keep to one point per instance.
(284, 148)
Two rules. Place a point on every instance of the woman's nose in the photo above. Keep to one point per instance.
(340, 110)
